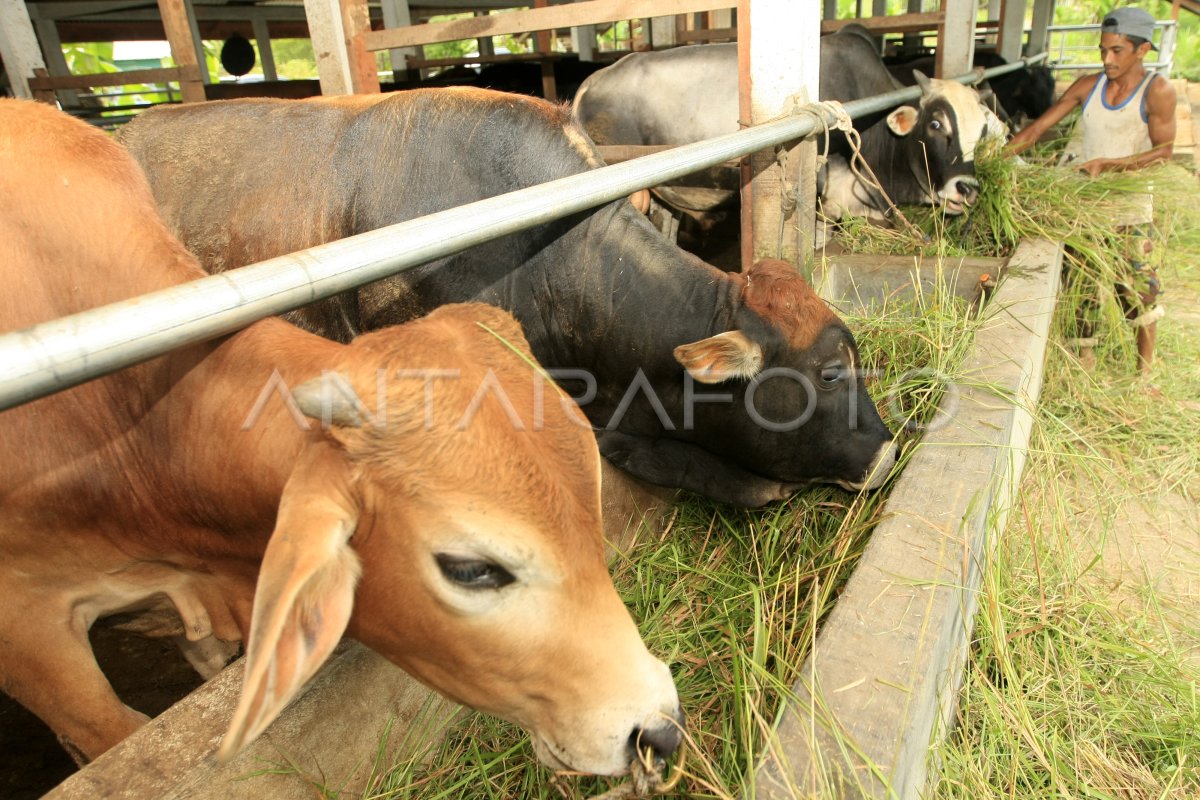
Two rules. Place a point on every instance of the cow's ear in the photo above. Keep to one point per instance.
(903, 120)
(305, 591)
(720, 358)
(330, 399)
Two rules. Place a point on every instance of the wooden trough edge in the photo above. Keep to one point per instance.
(331, 735)
(881, 685)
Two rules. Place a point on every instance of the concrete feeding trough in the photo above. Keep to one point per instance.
(880, 685)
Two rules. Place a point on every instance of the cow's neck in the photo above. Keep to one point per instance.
(232, 438)
(637, 298)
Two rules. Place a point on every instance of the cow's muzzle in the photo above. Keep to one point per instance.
(959, 193)
(663, 738)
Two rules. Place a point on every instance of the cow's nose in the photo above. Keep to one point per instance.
(663, 739)
(967, 190)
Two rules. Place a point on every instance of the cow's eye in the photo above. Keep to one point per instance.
(473, 573)
(934, 125)
(833, 373)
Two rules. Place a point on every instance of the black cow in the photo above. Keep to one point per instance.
(1021, 95)
(600, 293)
(922, 154)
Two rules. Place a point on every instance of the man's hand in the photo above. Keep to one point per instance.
(1095, 166)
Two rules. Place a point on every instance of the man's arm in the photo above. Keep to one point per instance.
(1160, 118)
(1072, 98)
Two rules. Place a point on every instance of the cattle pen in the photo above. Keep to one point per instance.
(64, 352)
(889, 635)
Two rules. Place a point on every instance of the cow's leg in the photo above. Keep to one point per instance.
(50, 669)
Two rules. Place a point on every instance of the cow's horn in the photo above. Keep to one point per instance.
(329, 398)
(923, 81)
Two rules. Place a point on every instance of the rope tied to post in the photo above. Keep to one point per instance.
(832, 115)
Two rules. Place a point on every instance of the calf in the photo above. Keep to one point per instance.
(452, 522)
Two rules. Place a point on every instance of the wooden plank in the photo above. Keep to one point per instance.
(160, 75)
(708, 35)
(502, 58)
(901, 23)
(183, 49)
(590, 12)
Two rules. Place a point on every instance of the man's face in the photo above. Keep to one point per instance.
(1119, 55)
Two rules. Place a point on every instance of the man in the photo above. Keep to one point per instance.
(1127, 122)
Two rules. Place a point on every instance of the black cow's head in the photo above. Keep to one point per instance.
(942, 134)
(776, 403)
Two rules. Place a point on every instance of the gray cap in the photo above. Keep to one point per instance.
(1130, 21)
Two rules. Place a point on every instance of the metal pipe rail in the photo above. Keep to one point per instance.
(61, 353)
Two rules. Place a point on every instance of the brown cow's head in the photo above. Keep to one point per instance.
(457, 532)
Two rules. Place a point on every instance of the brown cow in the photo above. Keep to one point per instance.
(455, 529)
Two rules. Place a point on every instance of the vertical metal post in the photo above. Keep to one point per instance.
(778, 66)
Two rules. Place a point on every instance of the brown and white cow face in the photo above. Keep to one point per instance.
(943, 134)
(458, 533)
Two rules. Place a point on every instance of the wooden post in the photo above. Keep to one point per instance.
(778, 66)
(1011, 36)
(1043, 18)
(956, 39)
(183, 49)
(343, 64)
(197, 42)
(19, 48)
(544, 37)
(396, 14)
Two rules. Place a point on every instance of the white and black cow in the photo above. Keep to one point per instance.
(741, 387)
(920, 154)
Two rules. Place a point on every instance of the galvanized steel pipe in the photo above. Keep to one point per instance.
(62, 353)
